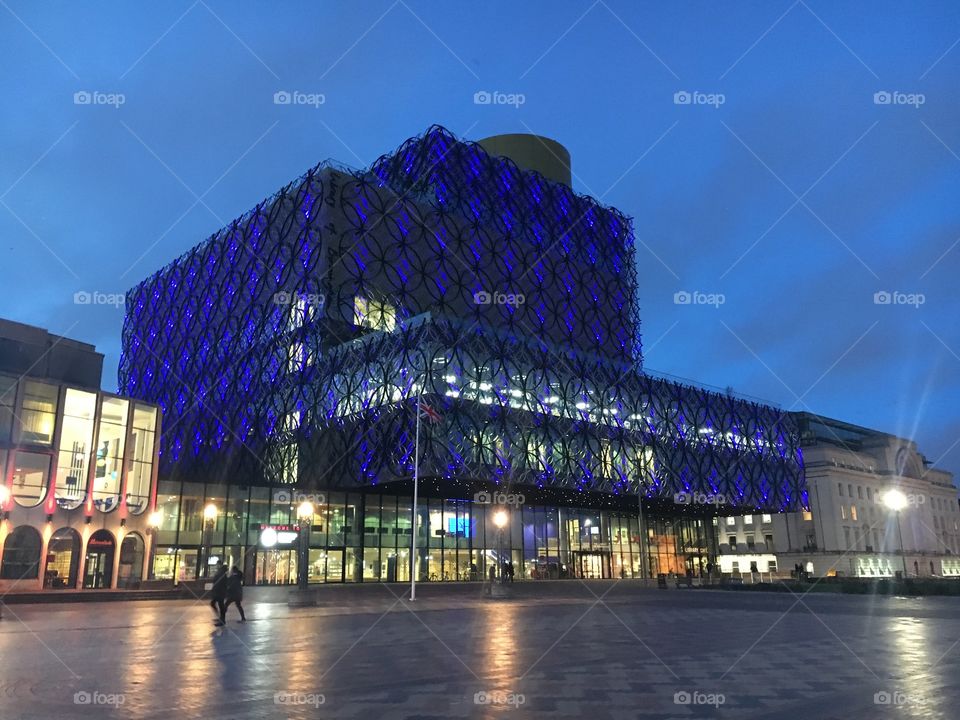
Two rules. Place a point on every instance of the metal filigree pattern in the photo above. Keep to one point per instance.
(290, 346)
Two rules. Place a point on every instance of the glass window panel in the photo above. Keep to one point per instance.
(138, 487)
(258, 513)
(191, 514)
(337, 525)
(39, 412)
(73, 459)
(168, 504)
(144, 423)
(352, 535)
(8, 398)
(30, 474)
(111, 439)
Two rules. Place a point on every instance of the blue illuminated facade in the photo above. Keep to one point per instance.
(289, 349)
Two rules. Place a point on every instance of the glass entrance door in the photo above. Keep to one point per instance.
(97, 570)
(593, 566)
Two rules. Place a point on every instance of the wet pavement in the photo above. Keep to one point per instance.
(603, 650)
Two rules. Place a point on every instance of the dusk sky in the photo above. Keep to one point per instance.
(815, 167)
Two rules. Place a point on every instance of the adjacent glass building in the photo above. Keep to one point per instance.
(289, 353)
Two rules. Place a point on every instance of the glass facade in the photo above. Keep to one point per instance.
(365, 536)
(84, 447)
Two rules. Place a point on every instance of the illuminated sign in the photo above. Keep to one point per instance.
(278, 535)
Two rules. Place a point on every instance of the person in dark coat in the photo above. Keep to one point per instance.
(218, 594)
(234, 594)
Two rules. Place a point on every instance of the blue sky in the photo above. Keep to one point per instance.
(786, 186)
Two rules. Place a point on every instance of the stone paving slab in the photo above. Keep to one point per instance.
(637, 654)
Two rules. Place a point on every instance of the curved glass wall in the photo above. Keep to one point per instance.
(76, 437)
(141, 458)
(39, 413)
(31, 471)
(111, 440)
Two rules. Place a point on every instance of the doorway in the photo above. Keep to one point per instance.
(98, 568)
(63, 559)
(131, 561)
(592, 566)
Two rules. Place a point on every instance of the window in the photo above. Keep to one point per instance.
(111, 439)
(39, 412)
(859, 492)
(849, 490)
(843, 512)
(21, 554)
(30, 474)
(846, 539)
(768, 541)
(751, 543)
(141, 468)
(765, 519)
(748, 519)
(73, 458)
(807, 515)
(8, 398)
(869, 494)
(840, 489)
(853, 512)
(731, 521)
(374, 314)
(732, 541)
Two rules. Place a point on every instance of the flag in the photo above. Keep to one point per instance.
(429, 414)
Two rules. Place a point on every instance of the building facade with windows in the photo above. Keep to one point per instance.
(290, 351)
(848, 529)
(79, 469)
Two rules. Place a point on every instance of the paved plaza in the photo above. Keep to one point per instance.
(568, 650)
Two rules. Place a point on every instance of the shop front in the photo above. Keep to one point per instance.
(366, 536)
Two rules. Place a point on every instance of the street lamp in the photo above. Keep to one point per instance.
(210, 513)
(897, 501)
(500, 520)
(305, 512)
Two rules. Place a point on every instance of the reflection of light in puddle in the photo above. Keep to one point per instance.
(499, 659)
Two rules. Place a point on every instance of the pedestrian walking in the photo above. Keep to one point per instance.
(510, 571)
(218, 593)
(234, 588)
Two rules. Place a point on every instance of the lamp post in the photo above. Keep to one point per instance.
(897, 501)
(500, 520)
(305, 512)
(210, 513)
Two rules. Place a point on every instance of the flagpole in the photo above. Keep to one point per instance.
(416, 483)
